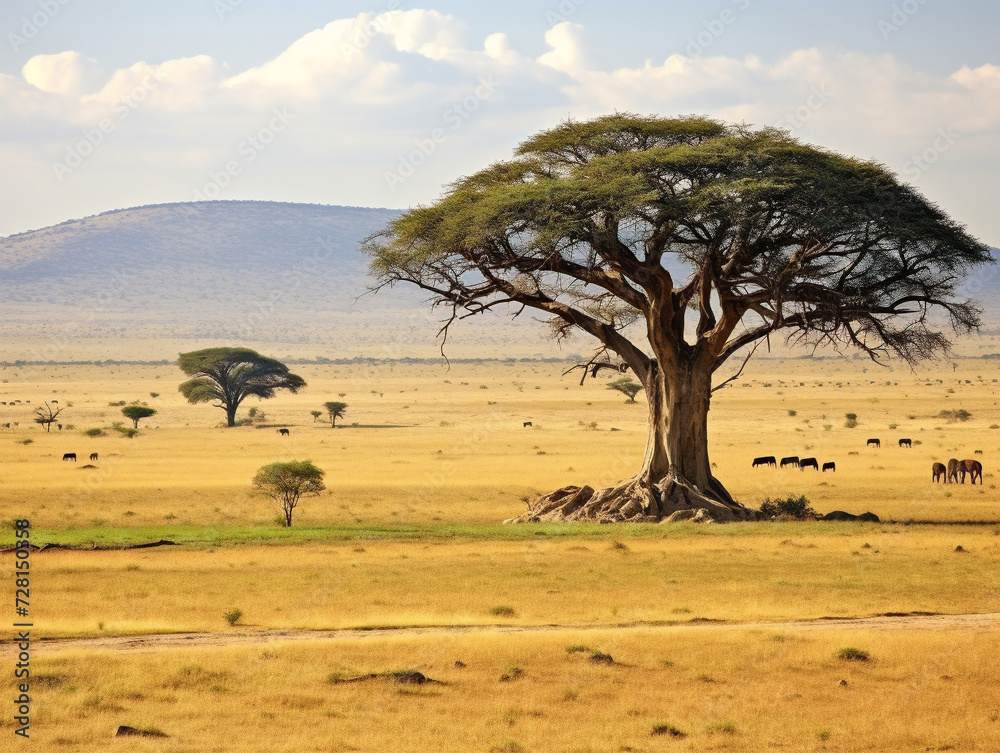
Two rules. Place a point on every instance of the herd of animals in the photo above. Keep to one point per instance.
(954, 472)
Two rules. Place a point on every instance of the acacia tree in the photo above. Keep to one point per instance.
(627, 387)
(677, 244)
(230, 375)
(46, 415)
(136, 412)
(336, 410)
(286, 483)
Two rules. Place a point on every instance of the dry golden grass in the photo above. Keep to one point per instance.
(756, 691)
(860, 571)
(436, 449)
(433, 445)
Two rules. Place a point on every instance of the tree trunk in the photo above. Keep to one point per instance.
(676, 473)
(231, 415)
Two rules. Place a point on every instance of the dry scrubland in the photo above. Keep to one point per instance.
(407, 535)
(750, 691)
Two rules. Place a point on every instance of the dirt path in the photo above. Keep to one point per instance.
(178, 640)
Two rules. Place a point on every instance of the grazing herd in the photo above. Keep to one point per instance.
(794, 462)
(71, 456)
(954, 472)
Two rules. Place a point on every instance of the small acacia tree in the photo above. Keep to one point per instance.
(230, 375)
(710, 238)
(627, 387)
(46, 415)
(137, 412)
(287, 482)
(335, 410)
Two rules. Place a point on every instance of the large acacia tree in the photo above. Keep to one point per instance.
(230, 375)
(591, 223)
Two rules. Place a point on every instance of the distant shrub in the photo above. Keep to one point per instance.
(117, 404)
(233, 616)
(512, 672)
(95, 433)
(575, 649)
(893, 426)
(503, 611)
(25, 441)
(852, 654)
(668, 729)
(793, 413)
(852, 420)
(955, 415)
(792, 507)
(154, 394)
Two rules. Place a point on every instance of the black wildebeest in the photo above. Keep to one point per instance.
(793, 460)
(977, 452)
(831, 466)
(70, 456)
(938, 471)
(906, 443)
(527, 424)
(808, 463)
(974, 468)
(283, 432)
(874, 442)
(769, 460)
(952, 473)
(93, 457)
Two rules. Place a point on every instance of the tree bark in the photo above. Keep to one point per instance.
(231, 415)
(676, 472)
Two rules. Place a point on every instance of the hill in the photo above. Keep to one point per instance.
(148, 281)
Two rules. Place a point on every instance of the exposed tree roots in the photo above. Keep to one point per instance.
(635, 501)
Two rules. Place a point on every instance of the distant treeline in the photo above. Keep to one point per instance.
(317, 361)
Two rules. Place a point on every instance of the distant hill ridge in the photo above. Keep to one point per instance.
(233, 271)
(242, 272)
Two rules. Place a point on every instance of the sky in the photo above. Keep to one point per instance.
(106, 104)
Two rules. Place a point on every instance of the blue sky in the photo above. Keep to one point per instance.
(113, 104)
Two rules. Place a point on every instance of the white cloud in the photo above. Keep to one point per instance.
(363, 89)
(65, 73)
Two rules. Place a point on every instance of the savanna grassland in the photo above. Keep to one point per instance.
(420, 473)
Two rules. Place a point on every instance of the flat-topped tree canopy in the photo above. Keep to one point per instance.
(230, 375)
(779, 237)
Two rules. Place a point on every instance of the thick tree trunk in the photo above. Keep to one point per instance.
(676, 473)
(231, 415)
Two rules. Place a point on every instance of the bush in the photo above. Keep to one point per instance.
(502, 611)
(792, 507)
(852, 654)
(233, 616)
(955, 415)
(668, 729)
(852, 420)
(94, 433)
